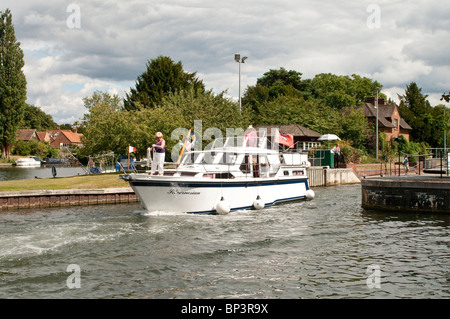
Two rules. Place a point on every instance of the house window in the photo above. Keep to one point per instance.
(396, 125)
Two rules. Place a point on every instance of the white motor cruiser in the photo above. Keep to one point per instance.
(30, 161)
(240, 173)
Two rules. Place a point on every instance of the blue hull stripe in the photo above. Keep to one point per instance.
(216, 184)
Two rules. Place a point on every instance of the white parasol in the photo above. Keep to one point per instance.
(329, 137)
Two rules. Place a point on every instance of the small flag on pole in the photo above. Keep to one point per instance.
(131, 149)
(286, 139)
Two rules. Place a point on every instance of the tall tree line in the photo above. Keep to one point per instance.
(13, 85)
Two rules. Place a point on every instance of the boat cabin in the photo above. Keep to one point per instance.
(240, 157)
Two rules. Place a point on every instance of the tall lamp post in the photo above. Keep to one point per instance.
(376, 125)
(237, 58)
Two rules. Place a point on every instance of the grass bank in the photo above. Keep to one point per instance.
(75, 182)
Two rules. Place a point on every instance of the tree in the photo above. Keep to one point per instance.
(105, 127)
(295, 110)
(282, 77)
(37, 119)
(271, 85)
(341, 91)
(417, 112)
(13, 91)
(354, 126)
(163, 76)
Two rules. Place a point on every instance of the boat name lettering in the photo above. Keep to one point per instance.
(179, 192)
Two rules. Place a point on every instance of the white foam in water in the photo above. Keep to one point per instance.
(41, 240)
(160, 213)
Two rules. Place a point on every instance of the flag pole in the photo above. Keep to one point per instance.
(184, 147)
(129, 156)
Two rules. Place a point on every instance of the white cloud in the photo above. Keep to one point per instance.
(116, 38)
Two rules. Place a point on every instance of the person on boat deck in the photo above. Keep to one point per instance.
(251, 136)
(159, 148)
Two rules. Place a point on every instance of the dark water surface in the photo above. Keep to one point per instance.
(325, 248)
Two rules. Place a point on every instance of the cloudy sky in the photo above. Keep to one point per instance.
(73, 48)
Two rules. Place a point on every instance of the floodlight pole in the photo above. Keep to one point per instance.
(237, 58)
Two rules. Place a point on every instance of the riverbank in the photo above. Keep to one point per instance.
(95, 181)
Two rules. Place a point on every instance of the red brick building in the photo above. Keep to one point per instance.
(56, 138)
(389, 119)
(65, 138)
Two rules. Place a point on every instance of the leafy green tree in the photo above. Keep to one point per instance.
(105, 127)
(13, 85)
(340, 91)
(282, 77)
(271, 85)
(416, 111)
(354, 126)
(37, 119)
(162, 76)
(295, 110)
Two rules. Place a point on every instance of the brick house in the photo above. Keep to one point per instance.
(56, 138)
(65, 138)
(389, 119)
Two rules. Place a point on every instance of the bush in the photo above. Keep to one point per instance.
(34, 148)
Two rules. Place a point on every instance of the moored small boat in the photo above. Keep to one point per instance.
(30, 161)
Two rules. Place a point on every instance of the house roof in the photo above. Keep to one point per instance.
(294, 129)
(71, 136)
(385, 112)
(43, 136)
(26, 134)
(405, 125)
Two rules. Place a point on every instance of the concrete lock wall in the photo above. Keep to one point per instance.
(61, 198)
(324, 176)
(416, 194)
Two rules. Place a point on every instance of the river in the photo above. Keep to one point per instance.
(8, 173)
(326, 248)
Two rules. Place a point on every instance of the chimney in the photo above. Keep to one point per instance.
(74, 129)
(371, 100)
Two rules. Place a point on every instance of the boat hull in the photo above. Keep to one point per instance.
(27, 162)
(203, 196)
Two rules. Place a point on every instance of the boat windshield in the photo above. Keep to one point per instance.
(242, 141)
(209, 157)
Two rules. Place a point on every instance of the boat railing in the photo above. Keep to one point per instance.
(260, 141)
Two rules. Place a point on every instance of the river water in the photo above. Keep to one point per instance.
(8, 173)
(326, 248)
